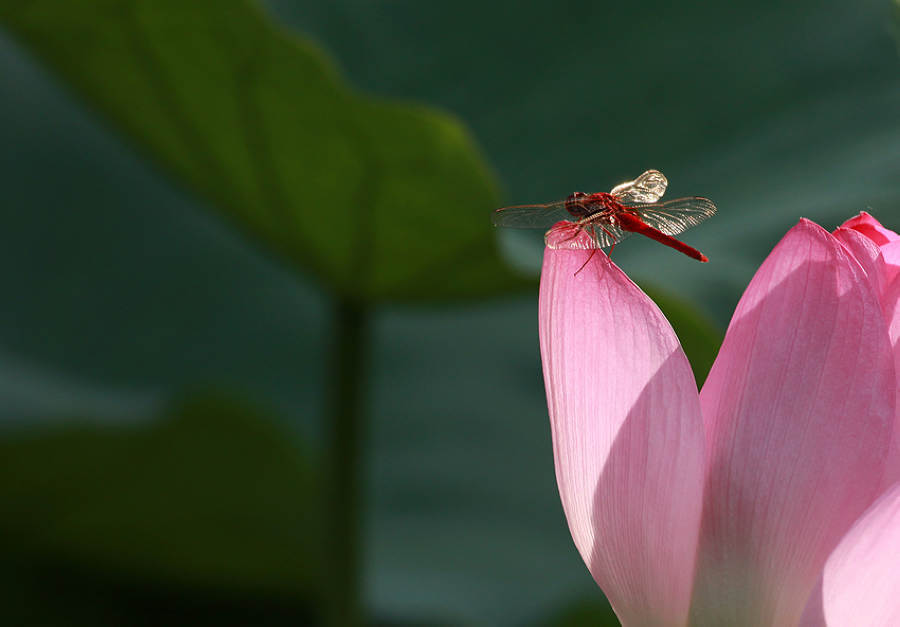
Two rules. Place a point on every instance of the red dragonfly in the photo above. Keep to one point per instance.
(600, 220)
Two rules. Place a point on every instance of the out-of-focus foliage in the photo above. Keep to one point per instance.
(594, 613)
(379, 200)
(210, 499)
(897, 23)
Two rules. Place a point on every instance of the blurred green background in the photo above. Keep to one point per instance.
(253, 307)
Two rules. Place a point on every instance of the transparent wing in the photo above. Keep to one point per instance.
(584, 235)
(531, 216)
(676, 216)
(649, 187)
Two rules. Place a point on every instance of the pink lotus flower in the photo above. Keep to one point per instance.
(772, 497)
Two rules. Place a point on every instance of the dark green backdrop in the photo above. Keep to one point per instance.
(123, 289)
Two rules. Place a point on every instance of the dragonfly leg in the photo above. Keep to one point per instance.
(593, 250)
(612, 239)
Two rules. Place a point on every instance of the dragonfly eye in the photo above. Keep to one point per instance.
(575, 206)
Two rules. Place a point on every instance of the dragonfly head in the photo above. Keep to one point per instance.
(575, 204)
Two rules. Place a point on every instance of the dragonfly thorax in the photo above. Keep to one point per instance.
(581, 205)
(576, 205)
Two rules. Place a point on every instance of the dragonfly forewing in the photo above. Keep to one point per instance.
(531, 216)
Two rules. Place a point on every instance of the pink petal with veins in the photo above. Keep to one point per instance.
(891, 253)
(628, 438)
(860, 585)
(883, 279)
(887, 240)
(871, 228)
(868, 254)
(799, 409)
